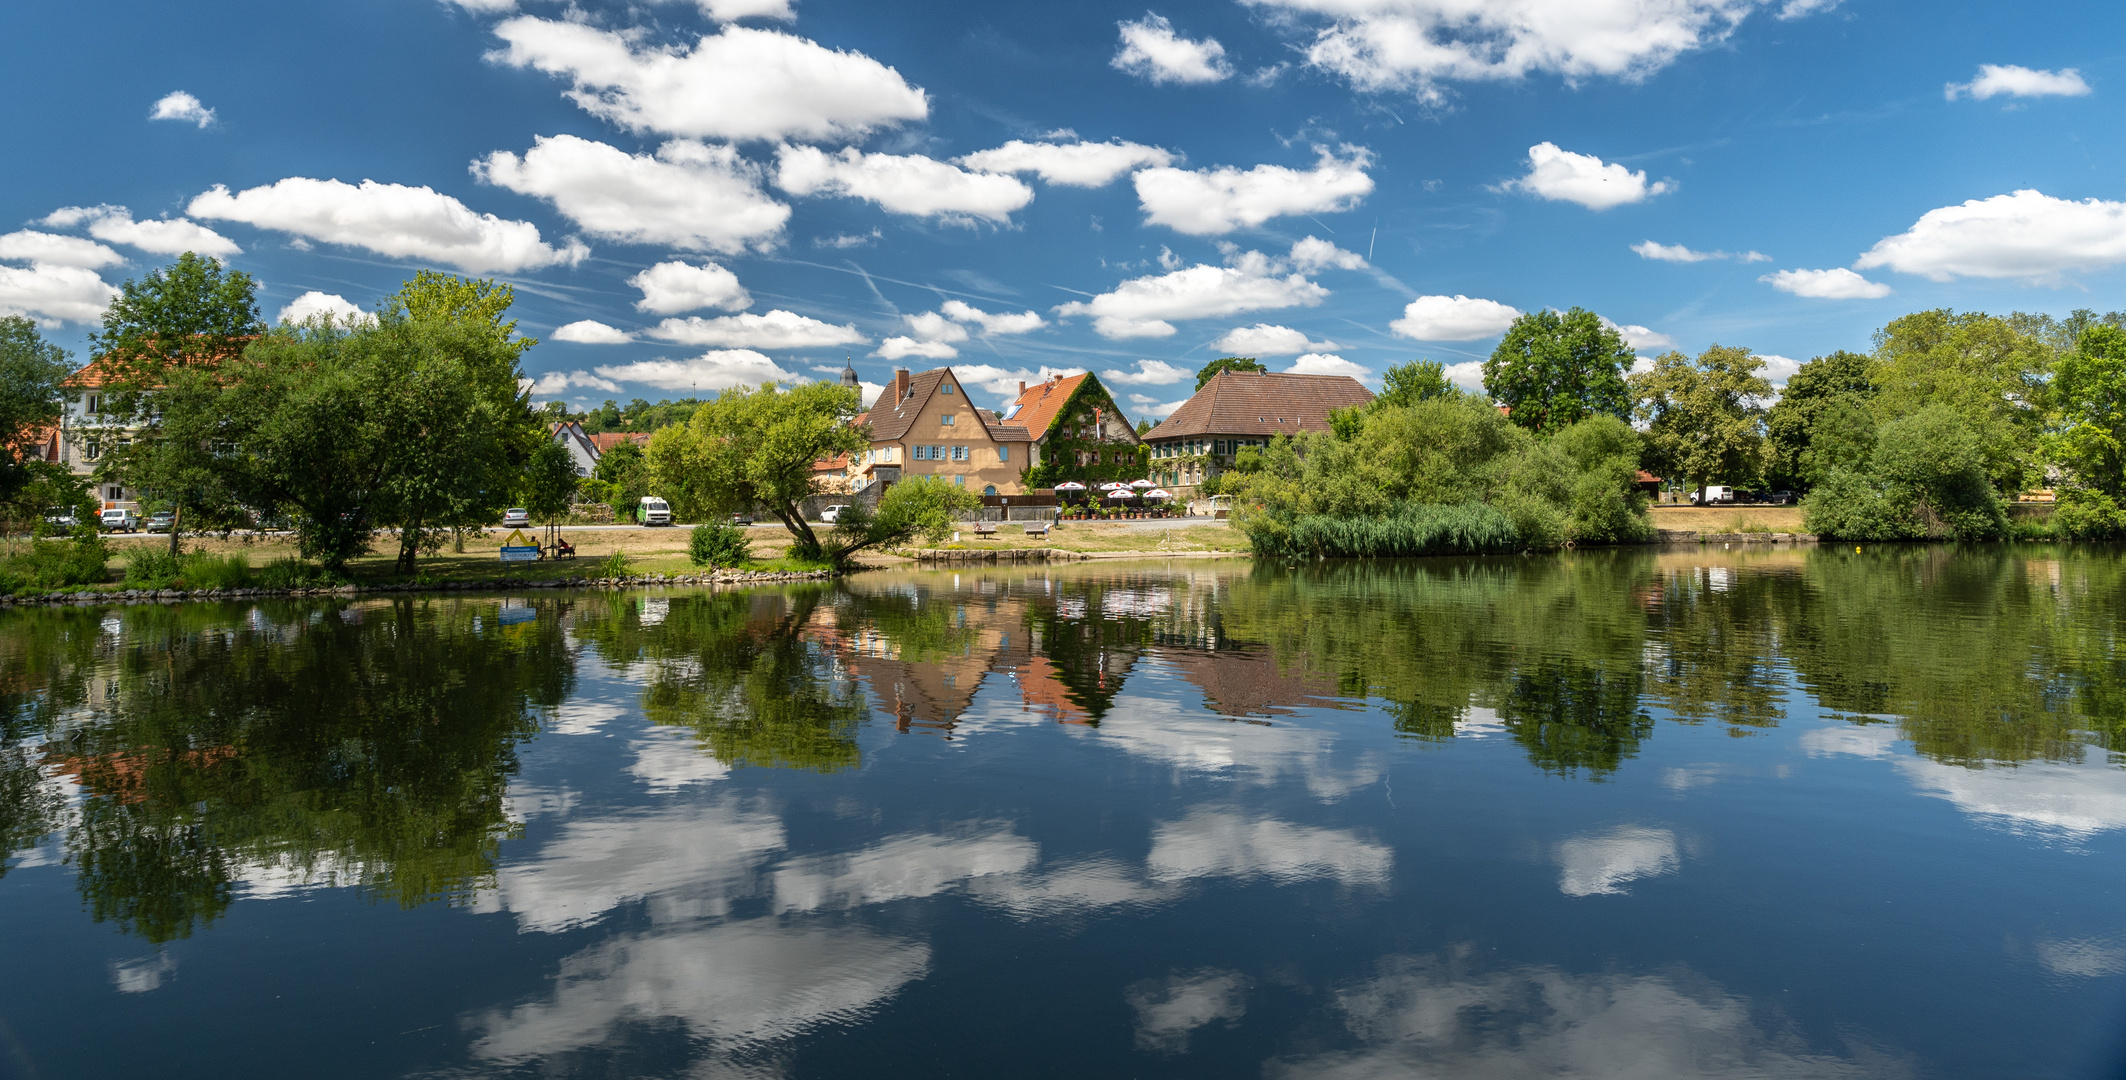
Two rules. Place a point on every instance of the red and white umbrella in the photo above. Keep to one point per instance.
(1070, 485)
(1122, 493)
(1158, 493)
(1140, 485)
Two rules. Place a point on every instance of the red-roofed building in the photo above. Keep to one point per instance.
(924, 425)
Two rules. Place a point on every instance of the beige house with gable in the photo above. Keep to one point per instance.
(924, 425)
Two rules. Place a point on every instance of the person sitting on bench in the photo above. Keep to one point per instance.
(563, 549)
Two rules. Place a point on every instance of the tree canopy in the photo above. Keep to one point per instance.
(1832, 394)
(756, 448)
(1702, 416)
(1554, 369)
(1227, 363)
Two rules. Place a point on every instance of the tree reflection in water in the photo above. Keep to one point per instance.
(366, 745)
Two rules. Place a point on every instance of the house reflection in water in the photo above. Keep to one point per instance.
(1066, 646)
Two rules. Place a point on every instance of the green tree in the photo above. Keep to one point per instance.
(2088, 432)
(627, 470)
(756, 448)
(1981, 368)
(920, 506)
(549, 482)
(1702, 416)
(33, 372)
(1227, 363)
(1419, 380)
(1925, 479)
(1831, 394)
(1553, 369)
(161, 344)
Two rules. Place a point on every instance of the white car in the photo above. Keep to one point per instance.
(118, 519)
(833, 513)
(516, 517)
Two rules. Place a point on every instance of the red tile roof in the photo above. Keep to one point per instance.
(606, 440)
(1036, 408)
(1257, 403)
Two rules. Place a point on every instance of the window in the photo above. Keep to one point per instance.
(1218, 447)
(948, 393)
(91, 450)
(114, 493)
(93, 404)
(990, 490)
(961, 480)
(946, 419)
(1003, 453)
(959, 453)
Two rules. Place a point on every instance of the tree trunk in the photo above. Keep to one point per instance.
(793, 519)
(177, 520)
(409, 546)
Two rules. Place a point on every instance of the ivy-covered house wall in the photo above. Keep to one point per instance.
(1089, 440)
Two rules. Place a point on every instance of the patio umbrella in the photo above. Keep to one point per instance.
(1070, 485)
(1158, 493)
(1140, 485)
(1122, 493)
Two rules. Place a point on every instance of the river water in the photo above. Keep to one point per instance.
(1701, 813)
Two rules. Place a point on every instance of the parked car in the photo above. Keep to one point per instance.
(61, 517)
(516, 517)
(833, 513)
(1780, 498)
(1714, 494)
(653, 511)
(119, 519)
(742, 518)
(161, 521)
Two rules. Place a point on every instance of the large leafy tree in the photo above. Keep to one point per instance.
(1554, 369)
(755, 448)
(33, 372)
(1829, 396)
(1702, 416)
(2088, 436)
(1227, 363)
(162, 346)
(1980, 367)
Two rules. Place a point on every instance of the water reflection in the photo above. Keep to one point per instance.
(1339, 821)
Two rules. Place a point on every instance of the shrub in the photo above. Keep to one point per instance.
(57, 564)
(151, 566)
(2087, 514)
(290, 572)
(1407, 529)
(719, 545)
(1926, 480)
(614, 565)
(204, 571)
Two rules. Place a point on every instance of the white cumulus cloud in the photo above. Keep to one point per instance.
(1152, 50)
(733, 10)
(2027, 235)
(1207, 202)
(52, 293)
(930, 335)
(1149, 373)
(1140, 307)
(1264, 339)
(183, 108)
(390, 219)
(1079, 164)
(1564, 176)
(902, 183)
(690, 195)
(778, 329)
(1677, 253)
(592, 332)
(1005, 323)
(672, 287)
(740, 83)
(1837, 283)
(1418, 45)
(115, 224)
(52, 249)
(717, 369)
(1640, 337)
(342, 310)
(1453, 318)
(2013, 80)
(556, 383)
(1324, 364)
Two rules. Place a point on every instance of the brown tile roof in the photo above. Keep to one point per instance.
(889, 419)
(833, 464)
(606, 440)
(1000, 431)
(1255, 403)
(1036, 409)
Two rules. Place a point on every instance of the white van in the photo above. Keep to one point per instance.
(1714, 494)
(653, 511)
(119, 519)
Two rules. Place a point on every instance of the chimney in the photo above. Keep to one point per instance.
(900, 386)
(1022, 387)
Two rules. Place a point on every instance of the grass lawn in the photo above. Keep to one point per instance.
(1729, 519)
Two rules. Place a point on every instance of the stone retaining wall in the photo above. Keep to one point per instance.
(170, 596)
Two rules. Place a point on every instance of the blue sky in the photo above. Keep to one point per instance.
(715, 191)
